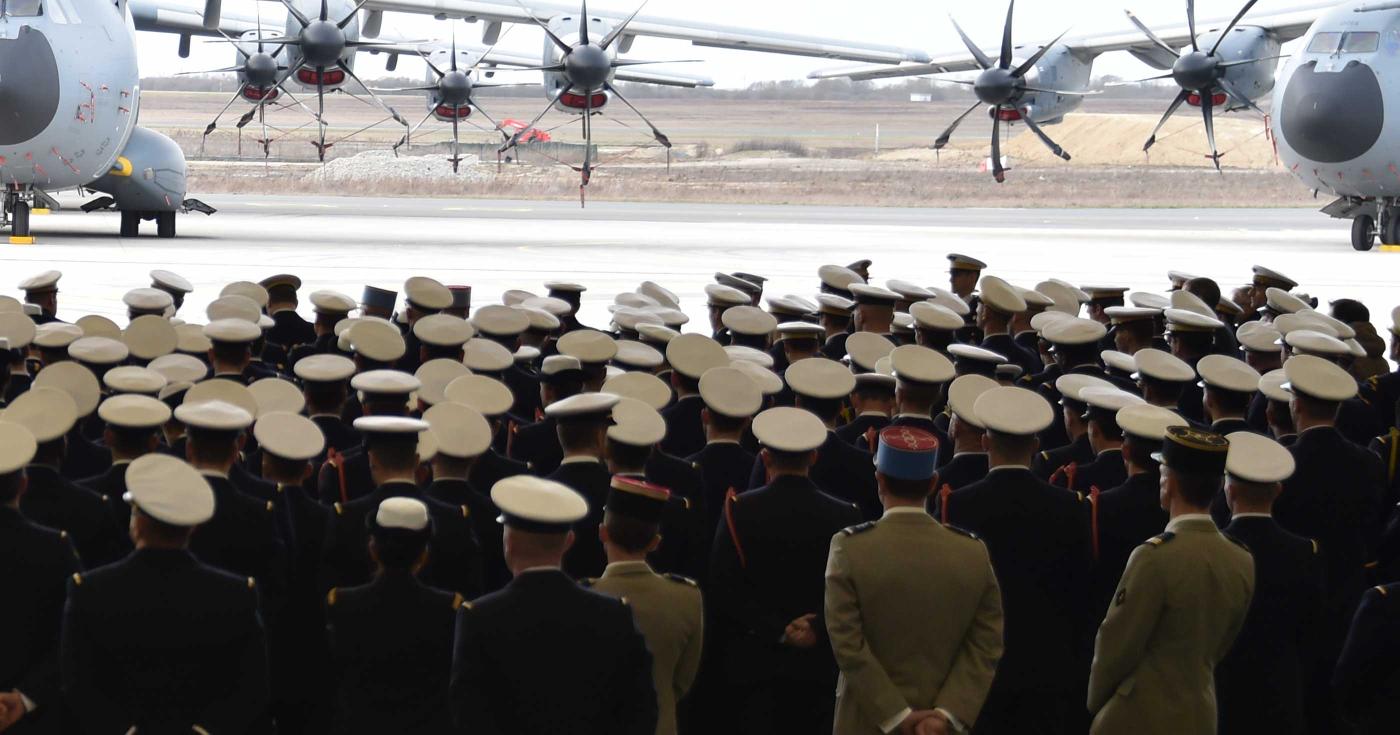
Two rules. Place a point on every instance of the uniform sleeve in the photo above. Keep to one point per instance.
(689, 665)
(635, 705)
(965, 689)
(41, 684)
(85, 696)
(866, 679)
(247, 702)
(1126, 628)
(470, 693)
(732, 594)
(1368, 655)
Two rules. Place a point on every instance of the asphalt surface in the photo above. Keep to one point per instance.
(344, 243)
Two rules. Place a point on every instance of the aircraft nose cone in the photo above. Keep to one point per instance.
(1196, 71)
(260, 70)
(996, 86)
(587, 67)
(1332, 117)
(322, 42)
(454, 88)
(29, 86)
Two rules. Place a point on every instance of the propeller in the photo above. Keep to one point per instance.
(259, 70)
(1199, 72)
(587, 68)
(1005, 88)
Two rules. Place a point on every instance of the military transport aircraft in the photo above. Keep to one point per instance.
(1331, 107)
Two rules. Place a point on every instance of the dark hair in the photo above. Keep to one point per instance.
(684, 382)
(1230, 400)
(1316, 406)
(907, 489)
(1253, 492)
(1107, 423)
(324, 396)
(631, 534)
(1198, 490)
(232, 351)
(128, 441)
(441, 352)
(1139, 451)
(1014, 443)
(577, 433)
(826, 409)
(1167, 388)
(628, 455)
(727, 424)
(1350, 311)
(398, 548)
(1205, 289)
(1085, 354)
(211, 447)
(161, 532)
(788, 461)
(397, 453)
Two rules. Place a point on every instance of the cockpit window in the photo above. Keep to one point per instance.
(1358, 42)
(24, 8)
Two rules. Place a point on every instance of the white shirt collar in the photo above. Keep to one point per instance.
(540, 569)
(925, 417)
(1187, 518)
(723, 441)
(881, 414)
(580, 459)
(904, 510)
(1009, 467)
(1251, 515)
(967, 454)
(214, 473)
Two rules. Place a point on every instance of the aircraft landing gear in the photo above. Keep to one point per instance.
(165, 225)
(1363, 233)
(131, 224)
(15, 213)
(1389, 230)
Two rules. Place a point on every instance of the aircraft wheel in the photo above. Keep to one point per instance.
(165, 225)
(1363, 233)
(131, 224)
(19, 222)
(1390, 228)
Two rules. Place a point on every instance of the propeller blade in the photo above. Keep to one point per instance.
(1052, 145)
(1242, 62)
(619, 63)
(215, 123)
(292, 9)
(583, 23)
(998, 172)
(1029, 64)
(481, 111)
(1238, 96)
(1005, 60)
(432, 66)
(1168, 75)
(1208, 112)
(655, 133)
(617, 30)
(977, 53)
(325, 10)
(267, 97)
(211, 71)
(456, 153)
(515, 139)
(497, 86)
(1191, 23)
(948, 134)
(552, 67)
(407, 90)
(454, 49)
(392, 112)
(1152, 36)
(1238, 17)
(257, 18)
(566, 48)
(1066, 92)
(587, 171)
(239, 47)
(346, 20)
(321, 109)
(1181, 98)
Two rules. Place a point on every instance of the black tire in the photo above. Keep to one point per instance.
(1363, 233)
(131, 224)
(1390, 228)
(165, 225)
(19, 219)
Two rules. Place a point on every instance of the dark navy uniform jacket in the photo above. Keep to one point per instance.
(963, 470)
(1078, 452)
(592, 480)
(1129, 515)
(685, 434)
(546, 657)
(843, 471)
(88, 518)
(39, 563)
(1367, 678)
(854, 433)
(723, 466)
(483, 514)
(537, 445)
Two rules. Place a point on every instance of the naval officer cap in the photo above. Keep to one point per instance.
(1105, 403)
(443, 330)
(1130, 314)
(376, 340)
(226, 391)
(515, 297)
(287, 283)
(972, 359)
(629, 318)
(1120, 362)
(960, 262)
(634, 300)
(41, 283)
(385, 383)
(99, 326)
(557, 369)
(548, 304)
(190, 340)
(435, 376)
(1288, 323)
(98, 351)
(786, 308)
(693, 354)
(963, 395)
(999, 295)
(17, 329)
(644, 387)
(724, 297)
(537, 505)
(484, 356)
(276, 394)
(213, 416)
(787, 429)
(324, 369)
(132, 379)
(233, 307)
(1144, 300)
(1035, 300)
(833, 305)
(249, 290)
(47, 413)
(838, 278)
(748, 354)
(171, 282)
(1187, 301)
(1193, 451)
(148, 300)
(1067, 298)
(1147, 422)
(401, 520)
(331, 303)
(902, 325)
(820, 378)
(1318, 378)
(1178, 279)
(917, 364)
(730, 392)
(1227, 373)
(636, 424)
(906, 453)
(1284, 302)
(1268, 277)
(636, 498)
(10, 305)
(673, 318)
(1272, 383)
(908, 291)
(564, 289)
(1013, 411)
(232, 332)
(526, 355)
(1158, 365)
(1073, 332)
(800, 330)
(735, 282)
(749, 320)
(180, 368)
(639, 356)
(461, 431)
(427, 294)
(769, 383)
(661, 294)
(149, 337)
(17, 447)
(1311, 342)
(1258, 459)
(949, 300)
(500, 321)
(751, 278)
(866, 349)
(288, 436)
(584, 407)
(1343, 330)
(936, 317)
(1259, 337)
(77, 381)
(590, 346)
(1071, 387)
(869, 295)
(169, 490)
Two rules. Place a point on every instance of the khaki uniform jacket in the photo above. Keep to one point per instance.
(669, 612)
(914, 614)
(1181, 602)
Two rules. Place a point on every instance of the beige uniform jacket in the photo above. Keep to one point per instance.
(914, 614)
(668, 611)
(1177, 610)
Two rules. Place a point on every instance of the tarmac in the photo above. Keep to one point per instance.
(346, 242)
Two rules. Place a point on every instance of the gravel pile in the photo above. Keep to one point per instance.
(372, 167)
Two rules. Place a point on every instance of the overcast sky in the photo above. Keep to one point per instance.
(910, 23)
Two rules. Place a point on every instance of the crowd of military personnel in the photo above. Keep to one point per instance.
(984, 508)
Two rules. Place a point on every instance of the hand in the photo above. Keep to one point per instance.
(935, 725)
(11, 709)
(799, 633)
(913, 724)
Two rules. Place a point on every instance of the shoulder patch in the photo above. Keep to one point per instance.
(78, 580)
(459, 602)
(1161, 538)
(339, 509)
(862, 528)
(330, 597)
(682, 579)
(961, 531)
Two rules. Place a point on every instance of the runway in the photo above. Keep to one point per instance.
(346, 242)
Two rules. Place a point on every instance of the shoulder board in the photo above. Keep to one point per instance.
(1381, 589)
(1315, 546)
(588, 582)
(695, 466)
(339, 509)
(330, 597)
(78, 579)
(862, 528)
(252, 583)
(460, 603)
(685, 503)
(1236, 541)
(625, 602)
(682, 580)
(1045, 455)
(1162, 538)
(64, 534)
(961, 532)
(466, 512)
(269, 506)
(1080, 495)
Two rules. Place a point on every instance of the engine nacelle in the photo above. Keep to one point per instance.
(1256, 80)
(149, 175)
(1059, 68)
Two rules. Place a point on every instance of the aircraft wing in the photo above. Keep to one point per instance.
(699, 34)
(1287, 24)
(187, 18)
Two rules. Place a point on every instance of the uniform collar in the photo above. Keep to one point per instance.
(1251, 515)
(734, 442)
(905, 511)
(214, 473)
(880, 414)
(627, 569)
(969, 454)
(1009, 467)
(1190, 520)
(581, 459)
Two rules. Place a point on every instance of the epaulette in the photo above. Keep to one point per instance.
(1161, 538)
(466, 512)
(252, 583)
(682, 579)
(1081, 495)
(588, 582)
(1315, 547)
(962, 532)
(862, 528)
(459, 602)
(1045, 455)
(339, 509)
(1381, 589)
(78, 579)
(330, 597)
